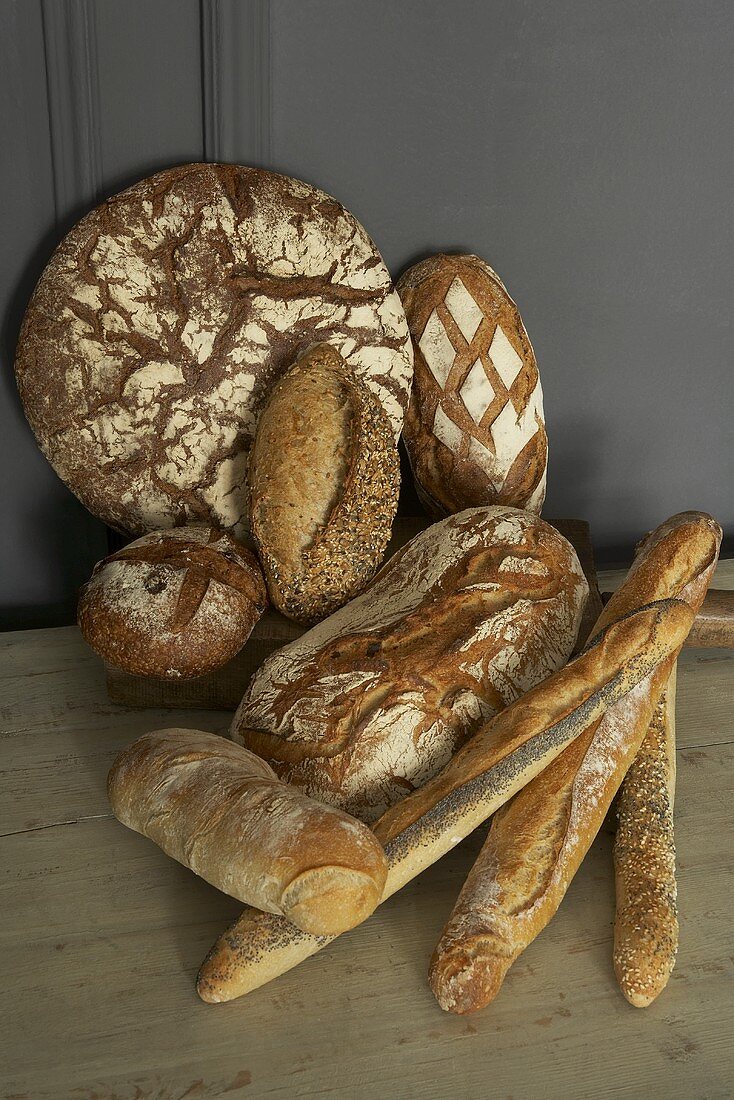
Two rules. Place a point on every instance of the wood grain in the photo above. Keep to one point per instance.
(102, 936)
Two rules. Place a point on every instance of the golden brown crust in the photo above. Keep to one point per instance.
(222, 811)
(515, 746)
(474, 429)
(325, 479)
(646, 922)
(537, 842)
(173, 604)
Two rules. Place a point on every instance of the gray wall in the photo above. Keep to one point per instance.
(583, 147)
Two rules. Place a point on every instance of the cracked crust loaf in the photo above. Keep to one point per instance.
(163, 320)
(325, 478)
(374, 700)
(173, 604)
(474, 430)
(221, 811)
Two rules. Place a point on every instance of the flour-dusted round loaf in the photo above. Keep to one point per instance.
(474, 430)
(373, 701)
(173, 604)
(325, 478)
(223, 812)
(163, 320)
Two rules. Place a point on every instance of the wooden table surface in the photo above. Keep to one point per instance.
(102, 936)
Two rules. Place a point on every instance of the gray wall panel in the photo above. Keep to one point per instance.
(584, 149)
(48, 542)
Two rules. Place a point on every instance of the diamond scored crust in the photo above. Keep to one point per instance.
(510, 431)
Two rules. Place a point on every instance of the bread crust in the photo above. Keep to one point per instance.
(537, 842)
(646, 919)
(515, 745)
(163, 320)
(222, 811)
(173, 604)
(373, 701)
(474, 430)
(324, 486)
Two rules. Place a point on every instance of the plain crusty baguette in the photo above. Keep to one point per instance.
(537, 842)
(512, 748)
(223, 812)
(646, 921)
(324, 484)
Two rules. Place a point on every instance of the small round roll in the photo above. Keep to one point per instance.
(221, 811)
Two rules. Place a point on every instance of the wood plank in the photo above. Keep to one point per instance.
(104, 935)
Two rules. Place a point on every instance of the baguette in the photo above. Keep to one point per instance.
(506, 753)
(223, 812)
(646, 922)
(537, 842)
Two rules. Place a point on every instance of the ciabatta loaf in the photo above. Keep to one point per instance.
(537, 842)
(373, 701)
(221, 811)
(474, 430)
(505, 754)
(324, 483)
(174, 604)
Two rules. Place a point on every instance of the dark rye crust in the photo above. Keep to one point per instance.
(349, 547)
(173, 605)
(163, 320)
(258, 947)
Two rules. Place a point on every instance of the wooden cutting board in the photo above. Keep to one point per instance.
(223, 689)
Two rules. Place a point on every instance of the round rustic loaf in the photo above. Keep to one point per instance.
(163, 320)
(324, 482)
(374, 700)
(474, 430)
(174, 604)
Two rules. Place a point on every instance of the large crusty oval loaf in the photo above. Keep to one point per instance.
(374, 700)
(173, 604)
(222, 811)
(163, 320)
(324, 483)
(474, 430)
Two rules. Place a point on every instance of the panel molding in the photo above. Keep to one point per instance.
(70, 48)
(236, 80)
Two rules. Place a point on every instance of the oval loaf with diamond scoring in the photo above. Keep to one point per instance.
(474, 430)
(166, 316)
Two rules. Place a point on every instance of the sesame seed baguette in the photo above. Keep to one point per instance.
(501, 758)
(538, 840)
(646, 921)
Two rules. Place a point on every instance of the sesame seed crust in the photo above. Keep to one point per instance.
(646, 925)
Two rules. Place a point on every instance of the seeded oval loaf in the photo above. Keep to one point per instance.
(163, 320)
(474, 430)
(223, 812)
(373, 701)
(173, 604)
(325, 478)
